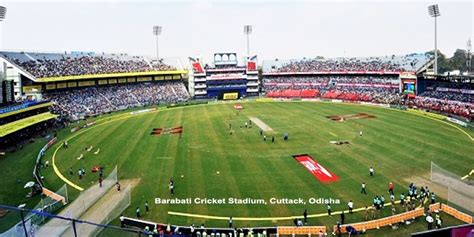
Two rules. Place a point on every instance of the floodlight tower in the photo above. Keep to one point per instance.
(3, 13)
(469, 56)
(433, 10)
(248, 31)
(157, 32)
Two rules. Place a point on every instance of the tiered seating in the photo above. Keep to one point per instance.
(370, 88)
(91, 101)
(408, 62)
(341, 95)
(444, 106)
(43, 65)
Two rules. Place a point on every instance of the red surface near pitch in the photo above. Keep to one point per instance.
(321, 173)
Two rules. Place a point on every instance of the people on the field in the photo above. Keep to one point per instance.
(305, 216)
(366, 213)
(433, 198)
(299, 222)
(402, 199)
(429, 220)
(351, 230)
(137, 211)
(363, 188)
(338, 229)
(79, 173)
(350, 204)
(438, 221)
(392, 199)
(171, 186)
(391, 186)
(122, 218)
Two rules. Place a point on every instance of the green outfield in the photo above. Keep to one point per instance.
(207, 161)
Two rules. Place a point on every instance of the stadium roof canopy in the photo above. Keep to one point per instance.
(17, 125)
(26, 108)
(16, 58)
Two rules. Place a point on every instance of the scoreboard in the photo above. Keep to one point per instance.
(230, 96)
(408, 84)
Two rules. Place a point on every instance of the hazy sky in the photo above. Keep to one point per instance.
(282, 29)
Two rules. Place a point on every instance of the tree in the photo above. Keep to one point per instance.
(456, 62)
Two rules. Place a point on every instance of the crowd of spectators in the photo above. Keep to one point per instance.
(376, 89)
(91, 101)
(446, 95)
(446, 90)
(326, 80)
(454, 98)
(87, 64)
(340, 64)
(377, 95)
(465, 110)
(379, 89)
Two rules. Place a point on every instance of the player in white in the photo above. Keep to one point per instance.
(351, 206)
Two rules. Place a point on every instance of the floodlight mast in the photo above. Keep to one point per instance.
(433, 10)
(469, 56)
(157, 32)
(3, 13)
(248, 31)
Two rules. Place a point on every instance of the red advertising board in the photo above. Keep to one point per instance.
(321, 173)
(251, 66)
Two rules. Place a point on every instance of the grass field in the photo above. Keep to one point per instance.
(397, 144)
